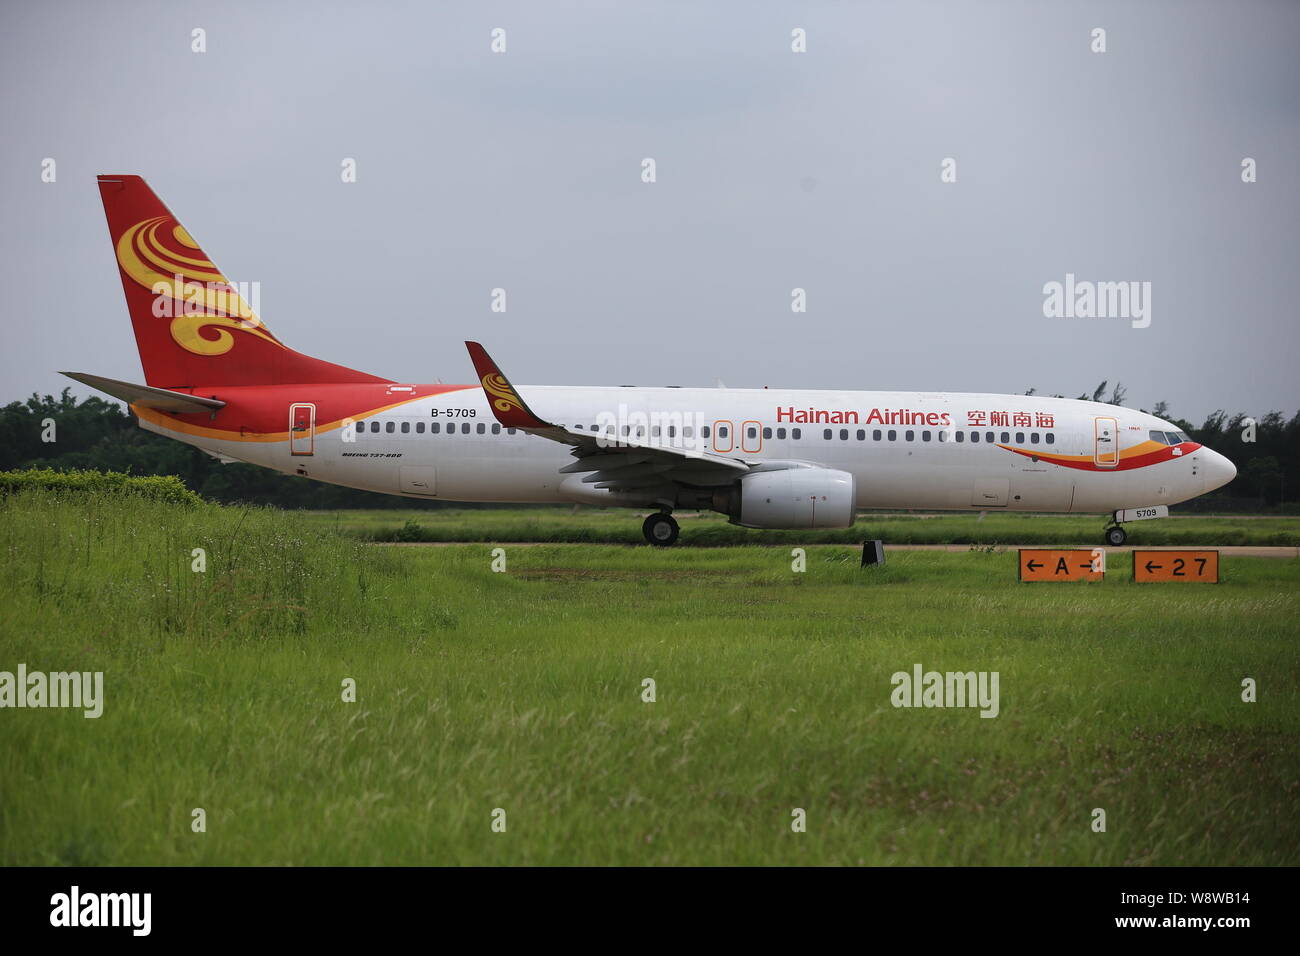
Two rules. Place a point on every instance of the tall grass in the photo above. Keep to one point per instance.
(593, 526)
(522, 690)
(125, 567)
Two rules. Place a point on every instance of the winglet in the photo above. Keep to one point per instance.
(510, 410)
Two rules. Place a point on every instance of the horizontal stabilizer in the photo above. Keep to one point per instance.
(163, 399)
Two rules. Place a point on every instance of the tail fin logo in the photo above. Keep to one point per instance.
(503, 396)
(160, 255)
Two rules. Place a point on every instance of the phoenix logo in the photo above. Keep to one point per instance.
(504, 398)
(160, 255)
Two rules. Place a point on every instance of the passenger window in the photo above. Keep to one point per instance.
(510, 431)
(767, 433)
(1020, 438)
(875, 434)
(862, 434)
(893, 435)
(975, 436)
(1006, 438)
(943, 435)
(780, 433)
(704, 431)
(435, 428)
(960, 436)
(925, 435)
(419, 428)
(826, 434)
(388, 427)
(753, 433)
(796, 433)
(672, 431)
(909, 435)
(722, 431)
(464, 429)
(406, 428)
(481, 428)
(374, 427)
(1033, 438)
(844, 434)
(361, 427)
(496, 429)
(1050, 438)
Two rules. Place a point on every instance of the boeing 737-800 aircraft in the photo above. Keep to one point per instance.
(218, 379)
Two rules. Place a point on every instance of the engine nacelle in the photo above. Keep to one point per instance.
(806, 497)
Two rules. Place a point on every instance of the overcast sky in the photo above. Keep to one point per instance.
(775, 170)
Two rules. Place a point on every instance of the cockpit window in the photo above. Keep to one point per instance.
(1183, 436)
(1161, 437)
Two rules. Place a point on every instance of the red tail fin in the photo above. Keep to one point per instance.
(191, 326)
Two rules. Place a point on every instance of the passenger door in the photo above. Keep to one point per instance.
(302, 428)
(1105, 442)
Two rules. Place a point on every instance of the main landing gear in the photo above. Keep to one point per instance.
(1116, 536)
(660, 529)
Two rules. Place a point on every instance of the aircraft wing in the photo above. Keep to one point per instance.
(616, 463)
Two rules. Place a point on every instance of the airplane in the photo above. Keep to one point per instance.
(217, 378)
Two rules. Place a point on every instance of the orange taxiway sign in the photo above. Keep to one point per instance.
(1057, 565)
(1176, 566)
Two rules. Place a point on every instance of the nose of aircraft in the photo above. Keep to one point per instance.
(1218, 470)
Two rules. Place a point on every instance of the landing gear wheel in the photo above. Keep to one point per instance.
(1116, 536)
(660, 530)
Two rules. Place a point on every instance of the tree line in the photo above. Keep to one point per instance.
(94, 433)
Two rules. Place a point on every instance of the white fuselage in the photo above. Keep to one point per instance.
(909, 450)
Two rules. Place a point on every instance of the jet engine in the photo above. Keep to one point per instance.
(793, 497)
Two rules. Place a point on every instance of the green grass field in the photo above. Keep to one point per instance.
(619, 526)
(522, 691)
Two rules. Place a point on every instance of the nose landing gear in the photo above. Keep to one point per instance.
(660, 529)
(1116, 536)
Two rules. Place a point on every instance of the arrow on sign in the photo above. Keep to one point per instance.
(1150, 567)
(1033, 565)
